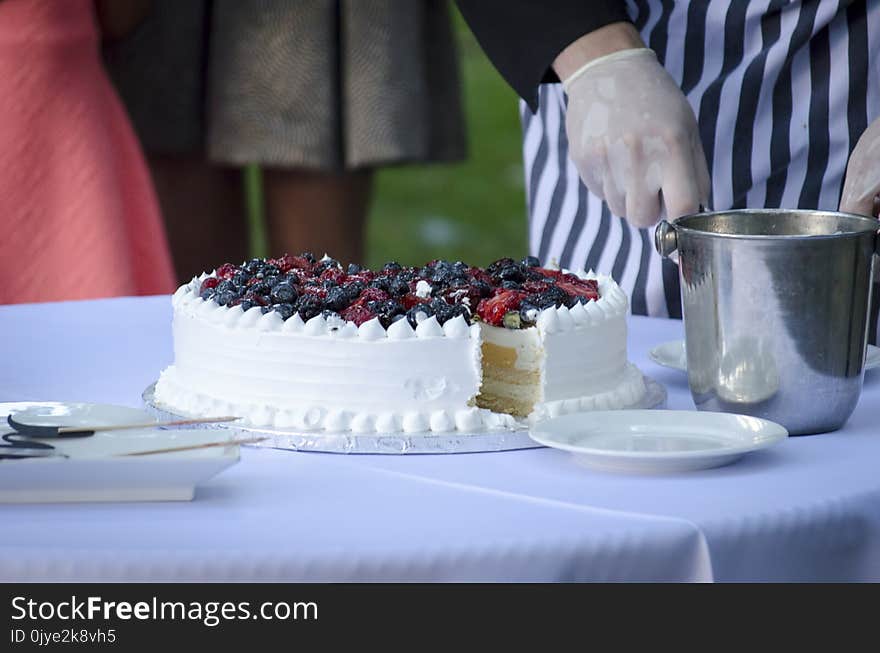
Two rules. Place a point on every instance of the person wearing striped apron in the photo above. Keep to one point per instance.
(765, 98)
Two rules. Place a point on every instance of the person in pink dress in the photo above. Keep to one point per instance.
(78, 212)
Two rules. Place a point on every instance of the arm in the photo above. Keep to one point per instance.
(632, 135)
(523, 38)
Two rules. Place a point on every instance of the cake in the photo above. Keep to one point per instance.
(306, 344)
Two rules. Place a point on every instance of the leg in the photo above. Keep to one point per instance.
(203, 206)
(317, 211)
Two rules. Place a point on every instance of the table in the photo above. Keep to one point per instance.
(808, 509)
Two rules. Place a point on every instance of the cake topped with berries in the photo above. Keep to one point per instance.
(297, 342)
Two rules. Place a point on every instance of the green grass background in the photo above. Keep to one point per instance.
(473, 211)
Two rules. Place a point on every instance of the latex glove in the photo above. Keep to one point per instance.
(634, 139)
(862, 183)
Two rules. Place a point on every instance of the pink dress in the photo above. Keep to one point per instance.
(78, 213)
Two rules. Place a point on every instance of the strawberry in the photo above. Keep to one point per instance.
(334, 274)
(284, 263)
(357, 314)
(409, 300)
(210, 282)
(535, 287)
(493, 309)
(287, 263)
(315, 291)
(372, 295)
(364, 276)
(226, 271)
(573, 285)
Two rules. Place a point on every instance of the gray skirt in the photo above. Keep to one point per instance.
(319, 84)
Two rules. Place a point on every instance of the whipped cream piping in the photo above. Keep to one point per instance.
(176, 396)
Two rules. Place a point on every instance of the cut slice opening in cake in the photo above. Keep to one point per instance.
(512, 371)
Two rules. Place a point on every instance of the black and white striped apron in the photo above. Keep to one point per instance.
(782, 90)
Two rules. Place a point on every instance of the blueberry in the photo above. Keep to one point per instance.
(460, 309)
(531, 262)
(482, 287)
(553, 296)
(260, 288)
(440, 277)
(511, 285)
(308, 306)
(283, 293)
(308, 256)
(380, 282)
(528, 312)
(512, 273)
(241, 278)
(418, 313)
(406, 275)
(270, 270)
(207, 294)
(225, 286)
(226, 297)
(265, 309)
(398, 287)
(354, 289)
(326, 264)
(337, 298)
(495, 267)
(246, 305)
(272, 280)
(442, 310)
(285, 310)
(354, 268)
(254, 265)
(386, 311)
(392, 266)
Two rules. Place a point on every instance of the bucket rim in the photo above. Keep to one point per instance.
(872, 225)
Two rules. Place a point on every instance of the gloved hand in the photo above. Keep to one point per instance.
(634, 139)
(862, 183)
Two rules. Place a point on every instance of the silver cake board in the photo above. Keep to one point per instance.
(387, 443)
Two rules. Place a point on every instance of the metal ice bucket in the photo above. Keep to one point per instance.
(775, 306)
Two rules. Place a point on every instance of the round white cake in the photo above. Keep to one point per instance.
(272, 368)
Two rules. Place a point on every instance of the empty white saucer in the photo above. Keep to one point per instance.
(657, 441)
(57, 413)
(672, 354)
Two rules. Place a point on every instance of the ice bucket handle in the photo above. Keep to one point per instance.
(666, 239)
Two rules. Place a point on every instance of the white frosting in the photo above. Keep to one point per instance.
(423, 289)
(336, 376)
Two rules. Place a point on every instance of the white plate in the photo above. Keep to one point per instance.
(657, 441)
(55, 413)
(672, 354)
(94, 471)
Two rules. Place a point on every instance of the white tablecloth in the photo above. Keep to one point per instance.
(808, 509)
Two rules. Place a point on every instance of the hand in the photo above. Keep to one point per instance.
(862, 183)
(633, 137)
